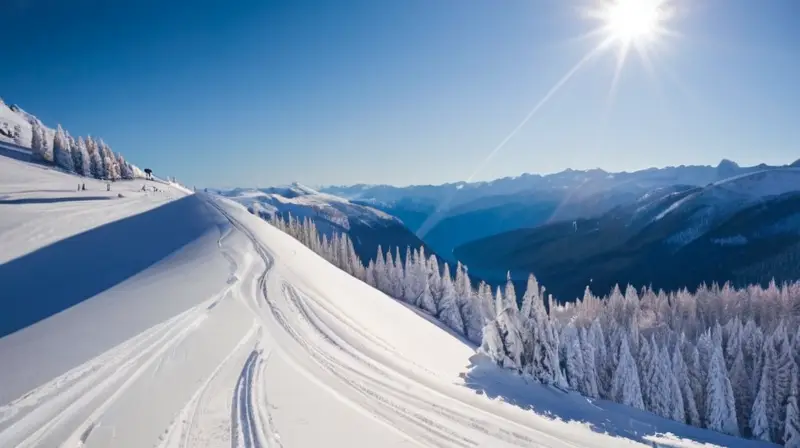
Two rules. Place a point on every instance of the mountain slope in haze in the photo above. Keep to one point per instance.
(743, 229)
(450, 215)
(367, 227)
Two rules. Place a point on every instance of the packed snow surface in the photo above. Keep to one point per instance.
(179, 320)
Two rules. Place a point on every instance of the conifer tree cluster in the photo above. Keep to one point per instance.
(722, 358)
(414, 278)
(85, 157)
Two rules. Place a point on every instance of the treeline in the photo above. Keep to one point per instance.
(724, 359)
(85, 157)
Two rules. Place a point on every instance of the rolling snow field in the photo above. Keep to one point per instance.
(171, 319)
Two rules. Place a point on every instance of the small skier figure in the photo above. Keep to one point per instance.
(108, 187)
(83, 187)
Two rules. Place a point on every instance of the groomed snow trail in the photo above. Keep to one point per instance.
(291, 352)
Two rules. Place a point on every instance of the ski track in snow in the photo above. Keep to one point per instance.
(284, 325)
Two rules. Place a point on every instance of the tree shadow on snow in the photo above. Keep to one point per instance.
(63, 274)
(602, 416)
(52, 200)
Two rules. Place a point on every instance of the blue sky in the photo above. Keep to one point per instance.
(256, 92)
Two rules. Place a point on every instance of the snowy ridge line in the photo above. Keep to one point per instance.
(179, 432)
(362, 405)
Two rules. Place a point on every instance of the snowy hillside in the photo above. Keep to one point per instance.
(174, 320)
(302, 201)
(16, 126)
(710, 205)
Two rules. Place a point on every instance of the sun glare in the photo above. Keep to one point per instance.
(628, 20)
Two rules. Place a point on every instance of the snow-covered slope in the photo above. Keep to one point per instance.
(199, 324)
(708, 206)
(302, 201)
(16, 126)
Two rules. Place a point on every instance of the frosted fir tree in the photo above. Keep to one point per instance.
(62, 154)
(590, 372)
(791, 432)
(77, 157)
(95, 159)
(448, 311)
(80, 155)
(398, 275)
(435, 278)
(473, 316)
(784, 364)
(759, 416)
(509, 328)
(645, 367)
(411, 284)
(625, 386)
(603, 367)
(126, 173)
(39, 147)
(676, 407)
(720, 407)
(572, 357)
(492, 344)
(370, 274)
(740, 382)
(660, 384)
(381, 277)
(426, 301)
(682, 376)
(510, 295)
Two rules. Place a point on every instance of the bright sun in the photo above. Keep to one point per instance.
(629, 20)
(632, 21)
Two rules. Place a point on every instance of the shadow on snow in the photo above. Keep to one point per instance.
(602, 416)
(21, 201)
(56, 277)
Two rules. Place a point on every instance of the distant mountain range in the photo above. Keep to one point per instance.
(670, 228)
(744, 229)
(450, 215)
(367, 227)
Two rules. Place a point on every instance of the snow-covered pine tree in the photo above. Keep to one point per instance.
(741, 391)
(589, 363)
(682, 376)
(426, 301)
(62, 154)
(435, 278)
(625, 387)
(509, 328)
(572, 357)
(791, 432)
(75, 152)
(370, 274)
(602, 362)
(410, 290)
(676, 407)
(492, 344)
(510, 295)
(720, 407)
(39, 147)
(398, 275)
(448, 311)
(472, 313)
(759, 416)
(125, 172)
